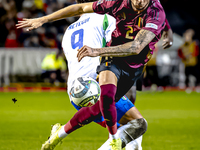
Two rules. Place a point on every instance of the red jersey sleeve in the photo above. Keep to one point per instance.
(103, 6)
(155, 21)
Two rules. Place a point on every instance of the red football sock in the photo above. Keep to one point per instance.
(68, 127)
(84, 116)
(107, 106)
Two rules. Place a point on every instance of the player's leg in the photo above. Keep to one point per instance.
(109, 74)
(135, 145)
(128, 133)
(135, 124)
(134, 129)
(131, 94)
(108, 84)
(132, 116)
(84, 116)
(126, 113)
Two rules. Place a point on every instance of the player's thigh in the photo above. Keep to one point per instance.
(131, 114)
(108, 72)
(126, 111)
(131, 92)
(107, 77)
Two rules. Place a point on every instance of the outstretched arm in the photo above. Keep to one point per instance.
(142, 39)
(72, 10)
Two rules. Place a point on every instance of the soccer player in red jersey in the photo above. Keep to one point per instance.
(138, 28)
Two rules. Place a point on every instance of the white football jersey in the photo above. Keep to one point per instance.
(93, 30)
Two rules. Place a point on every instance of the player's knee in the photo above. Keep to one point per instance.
(132, 130)
(139, 126)
(142, 124)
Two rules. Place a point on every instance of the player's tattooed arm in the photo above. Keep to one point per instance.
(142, 39)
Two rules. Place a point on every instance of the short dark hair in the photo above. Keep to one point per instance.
(85, 1)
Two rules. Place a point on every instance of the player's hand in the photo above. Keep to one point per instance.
(31, 24)
(168, 39)
(86, 51)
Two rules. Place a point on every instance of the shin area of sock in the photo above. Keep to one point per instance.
(84, 116)
(107, 106)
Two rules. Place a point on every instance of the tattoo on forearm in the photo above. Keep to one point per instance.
(142, 39)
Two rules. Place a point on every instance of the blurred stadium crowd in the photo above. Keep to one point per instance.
(49, 35)
(170, 67)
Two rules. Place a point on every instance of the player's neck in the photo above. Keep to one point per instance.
(140, 10)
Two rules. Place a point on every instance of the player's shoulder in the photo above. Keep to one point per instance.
(156, 11)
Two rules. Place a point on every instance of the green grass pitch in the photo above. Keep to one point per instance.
(173, 121)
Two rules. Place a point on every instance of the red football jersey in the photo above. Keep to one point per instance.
(129, 23)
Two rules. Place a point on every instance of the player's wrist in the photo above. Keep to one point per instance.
(45, 19)
(97, 51)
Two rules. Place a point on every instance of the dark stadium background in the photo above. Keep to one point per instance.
(183, 14)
